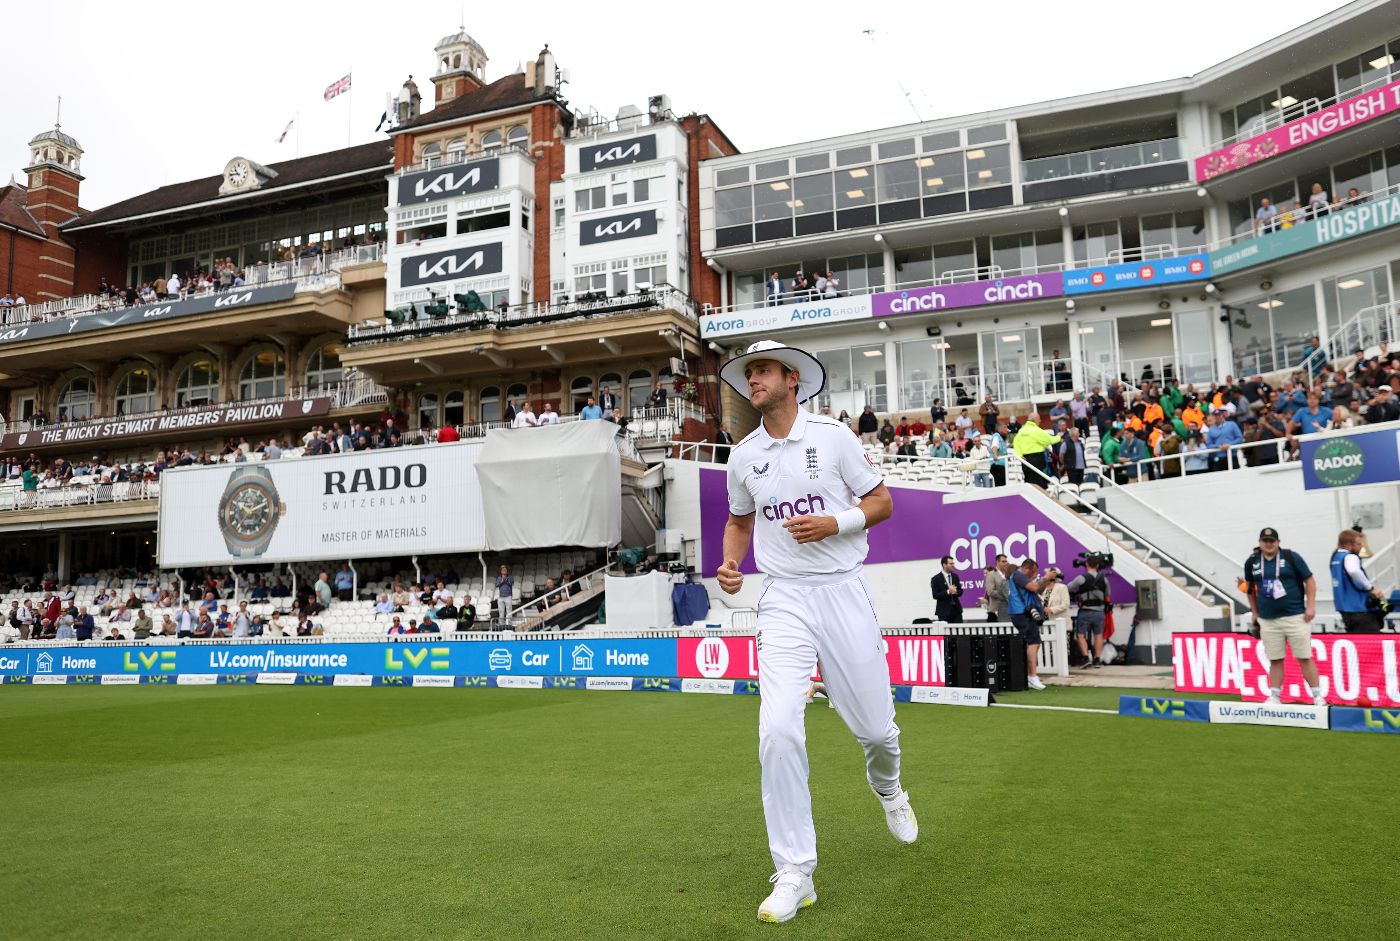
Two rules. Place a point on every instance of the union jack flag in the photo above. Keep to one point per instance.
(336, 87)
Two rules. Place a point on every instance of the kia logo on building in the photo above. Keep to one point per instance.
(617, 153)
(615, 228)
(442, 182)
(444, 266)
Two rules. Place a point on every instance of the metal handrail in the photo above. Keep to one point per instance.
(1387, 324)
(1107, 520)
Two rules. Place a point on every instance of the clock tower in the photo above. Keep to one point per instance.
(51, 199)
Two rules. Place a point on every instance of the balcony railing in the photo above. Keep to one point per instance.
(457, 157)
(428, 319)
(80, 491)
(1101, 160)
(1278, 117)
(314, 272)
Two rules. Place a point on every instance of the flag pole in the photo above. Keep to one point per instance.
(350, 104)
(298, 133)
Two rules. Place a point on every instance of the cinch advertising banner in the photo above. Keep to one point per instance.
(630, 657)
(974, 532)
(380, 503)
(969, 294)
(1300, 132)
(1338, 226)
(782, 316)
(1354, 669)
(913, 660)
(1139, 274)
(1353, 459)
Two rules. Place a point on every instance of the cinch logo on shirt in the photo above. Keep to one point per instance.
(802, 506)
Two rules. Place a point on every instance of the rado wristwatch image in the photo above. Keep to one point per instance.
(249, 511)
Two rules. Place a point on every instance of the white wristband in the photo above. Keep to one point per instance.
(852, 520)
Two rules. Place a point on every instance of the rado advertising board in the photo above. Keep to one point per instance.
(389, 502)
(442, 182)
(451, 265)
(617, 153)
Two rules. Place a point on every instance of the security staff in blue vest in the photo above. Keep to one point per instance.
(1352, 589)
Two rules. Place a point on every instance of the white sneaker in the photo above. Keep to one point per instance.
(1319, 700)
(1273, 701)
(791, 890)
(899, 816)
(1034, 682)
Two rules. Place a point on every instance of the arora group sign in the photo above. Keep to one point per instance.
(782, 316)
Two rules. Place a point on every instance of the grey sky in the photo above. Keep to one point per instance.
(161, 92)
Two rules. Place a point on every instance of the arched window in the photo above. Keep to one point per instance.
(456, 148)
(263, 376)
(136, 392)
(491, 141)
(491, 404)
(78, 400)
(638, 389)
(518, 135)
(432, 155)
(580, 390)
(428, 410)
(454, 408)
(457, 61)
(323, 367)
(198, 384)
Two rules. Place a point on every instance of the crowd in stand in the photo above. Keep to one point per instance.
(1270, 218)
(214, 604)
(1200, 427)
(802, 287)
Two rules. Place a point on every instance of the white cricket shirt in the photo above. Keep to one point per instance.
(819, 469)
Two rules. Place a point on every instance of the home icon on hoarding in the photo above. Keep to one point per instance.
(583, 658)
(44, 663)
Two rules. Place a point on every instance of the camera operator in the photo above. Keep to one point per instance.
(947, 593)
(1092, 591)
(1355, 596)
(1027, 613)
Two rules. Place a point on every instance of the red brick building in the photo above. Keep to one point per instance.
(36, 261)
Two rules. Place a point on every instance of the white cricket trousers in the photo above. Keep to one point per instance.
(800, 621)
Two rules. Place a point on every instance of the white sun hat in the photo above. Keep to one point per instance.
(811, 375)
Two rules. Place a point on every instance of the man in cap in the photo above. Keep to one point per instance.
(802, 489)
(1283, 603)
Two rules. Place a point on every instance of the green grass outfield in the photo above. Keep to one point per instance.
(382, 813)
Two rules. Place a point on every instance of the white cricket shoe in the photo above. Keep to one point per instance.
(792, 889)
(1319, 700)
(1273, 700)
(1034, 682)
(899, 816)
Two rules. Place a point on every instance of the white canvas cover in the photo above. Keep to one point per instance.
(555, 485)
(639, 602)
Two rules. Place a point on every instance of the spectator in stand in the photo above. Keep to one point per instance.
(940, 448)
(775, 289)
(204, 627)
(1318, 204)
(385, 605)
(83, 625)
(1070, 459)
(466, 614)
(1312, 419)
(1383, 407)
(396, 626)
(1130, 453)
(868, 426)
(1221, 435)
(447, 434)
(549, 416)
(886, 435)
(345, 583)
(1265, 217)
(505, 592)
(657, 399)
(441, 595)
(168, 627)
(525, 418)
(947, 591)
(279, 590)
(591, 411)
(1283, 603)
(322, 589)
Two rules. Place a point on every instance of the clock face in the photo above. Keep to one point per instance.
(249, 512)
(239, 172)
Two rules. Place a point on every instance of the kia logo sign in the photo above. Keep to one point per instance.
(446, 266)
(617, 153)
(442, 182)
(614, 228)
